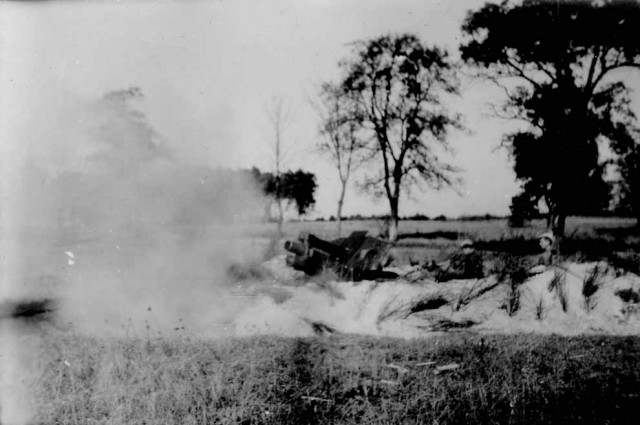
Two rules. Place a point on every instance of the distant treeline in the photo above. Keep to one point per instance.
(441, 217)
(416, 217)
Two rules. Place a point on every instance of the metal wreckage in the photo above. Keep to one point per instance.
(356, 257)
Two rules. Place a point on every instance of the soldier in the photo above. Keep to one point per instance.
(545, 258)
(466, 263)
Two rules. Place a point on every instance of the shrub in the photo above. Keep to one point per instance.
(511, 268)
(512, 302)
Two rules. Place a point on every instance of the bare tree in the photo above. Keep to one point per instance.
(279, 114)
(341, 141)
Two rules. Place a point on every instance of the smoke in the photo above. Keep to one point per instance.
(100, 215)
(117, 228)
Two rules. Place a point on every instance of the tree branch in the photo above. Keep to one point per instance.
(545, 70)
(522, 74)
(592, 70)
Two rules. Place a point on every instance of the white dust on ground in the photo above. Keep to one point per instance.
(385, 308)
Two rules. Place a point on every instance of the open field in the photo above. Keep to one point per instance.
(586, 238)
(445, 379)
(173, 338)
(478, 229)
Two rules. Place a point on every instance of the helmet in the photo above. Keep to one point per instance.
(549, 236)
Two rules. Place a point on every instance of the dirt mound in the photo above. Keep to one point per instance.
(569, 299)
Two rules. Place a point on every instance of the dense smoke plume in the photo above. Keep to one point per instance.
(108, 220)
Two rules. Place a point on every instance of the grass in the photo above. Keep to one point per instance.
(578, 227)
(339, 380)
(342, 379)
(428, 303)
(558, 284)
(328, 280)
(514, 271)
(590, 286)
(474, 290)
(614, 240)
(540, 309)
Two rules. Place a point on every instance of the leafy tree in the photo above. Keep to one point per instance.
(395, 85)
(341, 140)
(291, 187)
(628, 187)
(557, 63)
(524, 206)
(299, 187)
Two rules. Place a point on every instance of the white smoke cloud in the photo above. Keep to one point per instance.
(148, 231)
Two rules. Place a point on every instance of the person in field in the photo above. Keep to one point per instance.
(465, 263)
(546, 258)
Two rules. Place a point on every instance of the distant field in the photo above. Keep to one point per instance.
(480, 230)
(426, 240)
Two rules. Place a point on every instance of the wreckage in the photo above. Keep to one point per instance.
(357, 257)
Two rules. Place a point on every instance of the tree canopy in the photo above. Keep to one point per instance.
(627, 188)
(396, 86)
(557, 63)
(295, 187)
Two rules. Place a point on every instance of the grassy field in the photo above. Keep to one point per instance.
(343, 379)
(586, 238)
(449, 379)
(492, 229)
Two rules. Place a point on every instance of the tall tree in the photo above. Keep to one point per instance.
(628, 165)
(396, 85)
(341, 141)
(279, 115)
(557, 63)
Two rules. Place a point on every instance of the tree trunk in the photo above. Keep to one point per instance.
(393, 229)
(340, 204)
(558, 219)
(393, 224)
(267, 212)
(280, 216)
(635, 204)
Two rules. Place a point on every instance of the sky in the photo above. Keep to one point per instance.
(208, 69)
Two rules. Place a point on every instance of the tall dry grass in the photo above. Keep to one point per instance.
(339, 379)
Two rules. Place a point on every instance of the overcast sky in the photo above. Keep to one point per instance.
(208, 68)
